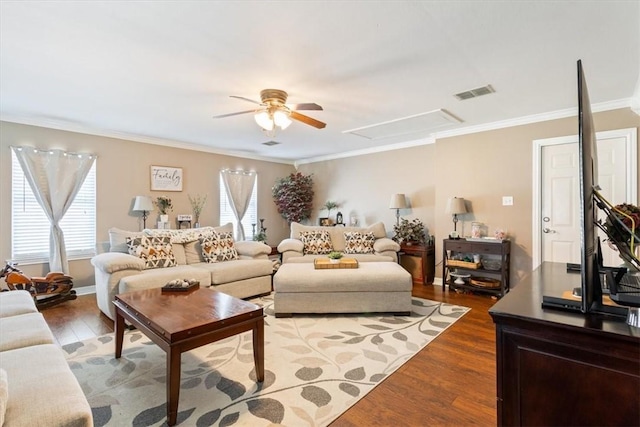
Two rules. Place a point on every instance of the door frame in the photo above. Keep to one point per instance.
(631, 149)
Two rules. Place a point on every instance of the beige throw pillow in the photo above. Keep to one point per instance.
(316, 242)
(218, 247)
(155, 251)
(358, 243)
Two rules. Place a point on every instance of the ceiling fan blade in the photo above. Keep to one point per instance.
(307, 120)
(305, 106)
(244, 99)
(233, 114)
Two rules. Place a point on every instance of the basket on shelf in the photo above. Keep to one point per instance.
(485, 282)
(464, 264)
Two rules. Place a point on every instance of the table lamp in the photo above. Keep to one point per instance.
(398, 201)
(455, 207)
(145, 205)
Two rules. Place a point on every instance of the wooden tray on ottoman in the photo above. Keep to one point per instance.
(325, 263)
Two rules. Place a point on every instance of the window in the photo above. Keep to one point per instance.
(30, 227)
(250, 217)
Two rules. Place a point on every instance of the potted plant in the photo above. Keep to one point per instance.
(293, 196)
(409, 232)
(335, 256)
(329, 205)
(164, 207)
(197, 204)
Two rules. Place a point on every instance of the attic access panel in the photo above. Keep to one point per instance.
(423, 122)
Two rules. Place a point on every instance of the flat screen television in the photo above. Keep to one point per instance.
(591, 255)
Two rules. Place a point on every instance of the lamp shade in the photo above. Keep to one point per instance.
(456, 206)
(398, 201)
(143, 204)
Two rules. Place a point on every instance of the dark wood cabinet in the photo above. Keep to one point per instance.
(562, 368)
(420, 261)
(499, 252)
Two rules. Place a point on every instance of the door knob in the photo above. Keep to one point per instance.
(548, 230)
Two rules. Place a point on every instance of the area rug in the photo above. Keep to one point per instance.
(316, 367)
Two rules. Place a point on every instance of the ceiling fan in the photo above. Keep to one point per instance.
(273, 111)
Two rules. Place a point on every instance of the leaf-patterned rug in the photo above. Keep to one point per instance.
(316, 367)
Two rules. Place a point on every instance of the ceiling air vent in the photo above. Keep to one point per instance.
(270, 143)
(474, 93)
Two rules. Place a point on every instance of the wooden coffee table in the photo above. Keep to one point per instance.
(181, 321)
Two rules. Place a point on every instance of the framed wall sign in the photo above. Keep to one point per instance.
(165, 178)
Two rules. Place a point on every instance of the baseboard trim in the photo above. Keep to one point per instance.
(85, 290)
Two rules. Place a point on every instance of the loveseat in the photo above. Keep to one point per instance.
(37, 387)
(151, 258)
(366, 244)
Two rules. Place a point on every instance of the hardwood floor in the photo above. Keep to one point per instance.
(450, 382)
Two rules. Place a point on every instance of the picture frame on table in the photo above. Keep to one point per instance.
(166, 178)
(324, 222)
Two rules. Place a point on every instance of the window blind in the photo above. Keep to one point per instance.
(30, 227)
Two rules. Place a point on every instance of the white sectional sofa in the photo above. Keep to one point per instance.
(117, 271)
(384, 248)
(37, 387)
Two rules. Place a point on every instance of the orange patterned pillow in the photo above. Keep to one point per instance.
(316, 242)
(218, 247)
(356, 242)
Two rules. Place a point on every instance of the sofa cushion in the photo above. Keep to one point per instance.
(13, 303)
(218, 247)
(358, 243)
(159, 277)
(4, 394)
(44, 391)
(156, 252)
(316, 242)
(23, 331)
(240, 269)
(118, 239)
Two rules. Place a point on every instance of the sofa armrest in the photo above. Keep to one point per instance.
(110, 262)
(294, 245)
(385, 244)
(252, 249)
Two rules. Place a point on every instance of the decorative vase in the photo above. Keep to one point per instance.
(196, 225)
(164, 218)
(334, 261)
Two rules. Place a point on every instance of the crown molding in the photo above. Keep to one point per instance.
(633, 103)
(79, 128)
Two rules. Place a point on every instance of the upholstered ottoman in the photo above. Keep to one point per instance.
(372, 287)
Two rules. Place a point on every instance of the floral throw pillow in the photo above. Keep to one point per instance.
(218, 247)
(316, 242)
(156, 251)
(356, 242)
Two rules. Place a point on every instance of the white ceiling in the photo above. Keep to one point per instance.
(158, 71)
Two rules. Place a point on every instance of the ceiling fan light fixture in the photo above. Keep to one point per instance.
(281, 119)
(264, 120)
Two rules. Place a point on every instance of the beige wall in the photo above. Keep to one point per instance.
(480, 167)
(123, 173)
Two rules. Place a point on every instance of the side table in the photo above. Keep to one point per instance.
(420, 261)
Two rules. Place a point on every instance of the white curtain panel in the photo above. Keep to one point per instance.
(239, 186)
(55, 177)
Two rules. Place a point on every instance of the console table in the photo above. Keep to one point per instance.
(560, 368)
(420, 261)
(498, 249)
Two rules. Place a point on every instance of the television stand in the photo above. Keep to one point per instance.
(595, 359)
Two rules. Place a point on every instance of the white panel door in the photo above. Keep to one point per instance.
(560, 199)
